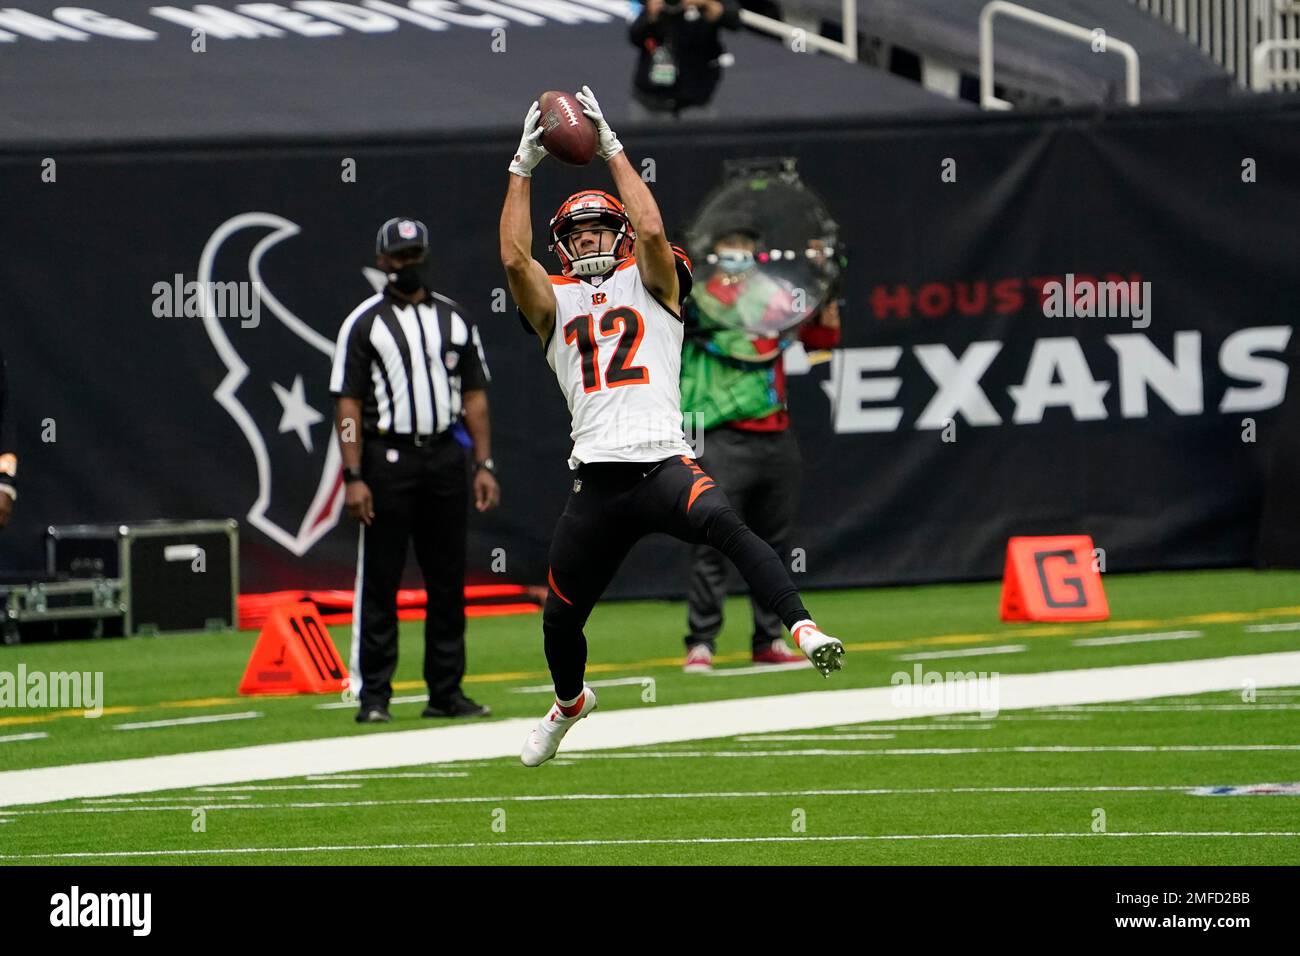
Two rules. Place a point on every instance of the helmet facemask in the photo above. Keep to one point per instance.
(564, 226)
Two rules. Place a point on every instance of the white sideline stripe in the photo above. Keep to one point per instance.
(679, 841)
(756, 669)
(761, 738)
(383, 776)
(933, 751)
(547, 798)
(299, 786)
(1135, 638)
(185, 721)
(964, 652)
(353, 705)
(1156, 708)
(611, 682)
(1001, 717)
(630, 727)
(1195, 701)
(16, 737)
(1271, 628)
(100, 801)
(935, 728)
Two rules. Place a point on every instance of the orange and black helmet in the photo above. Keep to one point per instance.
(584, 210)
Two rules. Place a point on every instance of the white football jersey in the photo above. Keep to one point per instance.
(617, 354)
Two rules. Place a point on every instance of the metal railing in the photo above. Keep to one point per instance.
(1231, 33)
(1264, 76)
(1132, 87)
(846, 49)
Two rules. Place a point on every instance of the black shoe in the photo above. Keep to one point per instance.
(458, 706)
(373, 714)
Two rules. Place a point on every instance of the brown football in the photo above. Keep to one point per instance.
(567, 133)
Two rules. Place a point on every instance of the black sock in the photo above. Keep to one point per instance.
(760, 566)
(566, 656)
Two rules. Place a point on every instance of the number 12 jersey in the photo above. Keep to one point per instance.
(617, 354)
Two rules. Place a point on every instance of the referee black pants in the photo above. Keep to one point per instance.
(615, 504)
(421, 495)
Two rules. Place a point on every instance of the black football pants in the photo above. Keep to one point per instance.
(421, 494)
(612, 506)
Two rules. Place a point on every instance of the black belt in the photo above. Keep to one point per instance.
(416, 441)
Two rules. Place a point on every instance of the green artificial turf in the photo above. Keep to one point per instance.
(711, 808)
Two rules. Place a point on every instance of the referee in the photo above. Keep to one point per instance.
(8, 458)
(408, 368)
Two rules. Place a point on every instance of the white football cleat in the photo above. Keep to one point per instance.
(550, 730)
(826, 652)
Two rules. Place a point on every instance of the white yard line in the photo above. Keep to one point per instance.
(180, 803)
(611, 682)
(186, 721)
(352, 704)
(1157, 708)
(1135, 638)
(386, 776)
(13, 738)
(932, 728)
(930, 751)
(1001, 717)
(756, 669)
(1273, 628)
(297, 786)
(103, 801)
(762, 738)
(964, 652)
(629, 727)
(681, 841)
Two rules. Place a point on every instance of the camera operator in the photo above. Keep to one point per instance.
(680, 48)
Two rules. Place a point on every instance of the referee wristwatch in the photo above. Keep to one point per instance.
(350, 475)
(488, 465)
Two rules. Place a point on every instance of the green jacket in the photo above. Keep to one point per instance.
(724, 378)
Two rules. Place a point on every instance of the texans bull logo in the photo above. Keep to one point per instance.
(276, 387)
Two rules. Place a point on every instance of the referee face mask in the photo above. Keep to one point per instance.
(404, 271)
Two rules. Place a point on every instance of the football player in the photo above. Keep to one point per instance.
(610, 327)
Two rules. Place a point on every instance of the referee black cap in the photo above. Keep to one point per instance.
(401, 232)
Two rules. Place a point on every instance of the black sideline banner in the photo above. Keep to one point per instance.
(1082, 323)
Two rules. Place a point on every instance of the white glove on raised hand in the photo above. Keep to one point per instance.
(609, 144)
(530, 150)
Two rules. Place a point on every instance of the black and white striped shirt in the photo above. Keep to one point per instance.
(408, 363)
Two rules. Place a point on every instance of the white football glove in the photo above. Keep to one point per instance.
(530, 150)
(609, 144)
